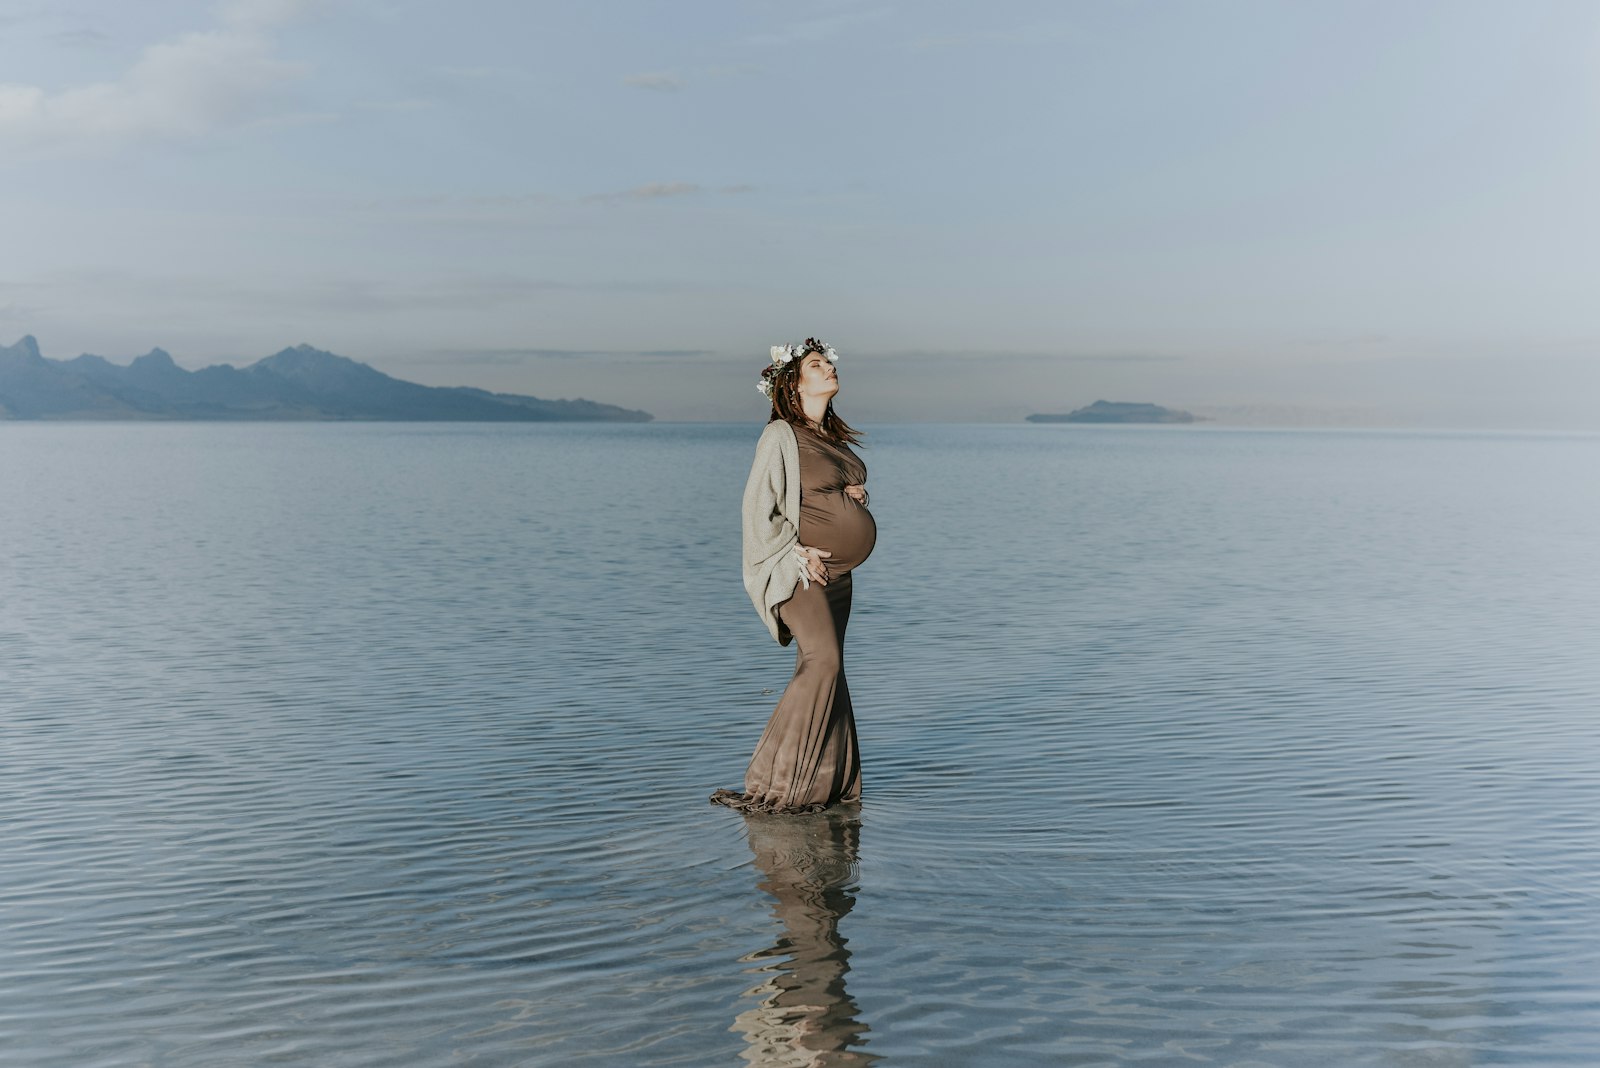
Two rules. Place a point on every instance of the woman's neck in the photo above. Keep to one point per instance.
(814, 408)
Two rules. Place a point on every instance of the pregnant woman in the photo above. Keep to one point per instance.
(806, 528)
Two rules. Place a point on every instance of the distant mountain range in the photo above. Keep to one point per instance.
(297, 383)
(1117, 412)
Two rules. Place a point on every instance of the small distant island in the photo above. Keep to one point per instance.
(298, 383)
(1117, 412)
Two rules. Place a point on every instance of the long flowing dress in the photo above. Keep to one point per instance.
(807, 759)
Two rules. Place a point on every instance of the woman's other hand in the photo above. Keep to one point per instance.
(811, 559)
(858, 492)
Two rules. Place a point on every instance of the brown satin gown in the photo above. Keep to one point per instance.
(806, 759)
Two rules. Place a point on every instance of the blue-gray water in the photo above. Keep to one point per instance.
(390, 744)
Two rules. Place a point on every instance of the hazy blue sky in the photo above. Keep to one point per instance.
(1381, 211)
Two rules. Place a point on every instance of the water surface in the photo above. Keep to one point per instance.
(387, 744)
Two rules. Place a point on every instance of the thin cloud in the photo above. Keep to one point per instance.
(1344, 340)
(332, 297)
(399, 105)
(1114, 357)
(653, 191)
(83, 37)
(507, 200)
(480, 73)
(494, 357)
(518, 357)
(1049, 33)
(1049, 357)
(19, 16)
(265, 13)
(345, 296)
(194, 85)
(819, 28)
(664, 189)
(667, 190)
(661, 83)
(13, 312)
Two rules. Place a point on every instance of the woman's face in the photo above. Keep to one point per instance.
(817, 376)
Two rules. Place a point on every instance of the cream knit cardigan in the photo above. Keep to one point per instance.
(772, 567)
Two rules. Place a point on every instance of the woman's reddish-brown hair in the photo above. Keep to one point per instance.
(785, 378)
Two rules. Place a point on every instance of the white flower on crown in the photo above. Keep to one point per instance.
(782, 354)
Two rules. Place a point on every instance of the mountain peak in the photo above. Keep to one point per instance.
(321, 371)
(27, 345)
(155, 358)
(303, 355)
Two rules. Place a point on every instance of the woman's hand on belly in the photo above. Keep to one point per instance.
(858, 493)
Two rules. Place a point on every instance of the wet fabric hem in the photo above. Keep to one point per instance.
(745, 803)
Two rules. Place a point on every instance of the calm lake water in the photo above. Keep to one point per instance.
(377, 744)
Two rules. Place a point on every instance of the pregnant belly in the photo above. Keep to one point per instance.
(844, 528)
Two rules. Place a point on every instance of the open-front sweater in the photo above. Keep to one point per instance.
(772, 569)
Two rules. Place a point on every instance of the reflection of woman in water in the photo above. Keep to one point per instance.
(805, 1017)
(806, 527)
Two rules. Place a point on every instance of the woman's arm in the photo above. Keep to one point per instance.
(767, 532)
(770, 539)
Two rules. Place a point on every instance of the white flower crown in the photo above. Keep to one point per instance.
(782, 354)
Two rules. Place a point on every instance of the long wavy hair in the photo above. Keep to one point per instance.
(785, 380)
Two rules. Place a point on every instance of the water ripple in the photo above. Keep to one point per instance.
(366, 745)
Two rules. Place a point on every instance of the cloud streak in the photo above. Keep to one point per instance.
(332, 297)
(192, 86)
(818, 28)
(1048, 34)
(653, 191)
(518, 357)
(977, 358)
(83, 37)
(665, 191)
(661, 83)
